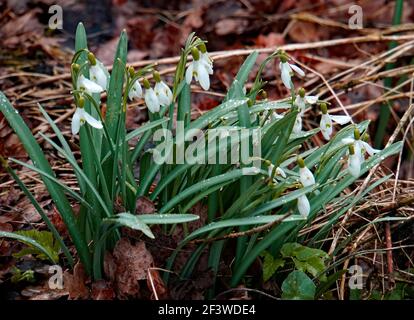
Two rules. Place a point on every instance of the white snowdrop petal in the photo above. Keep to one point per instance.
(136, 91)
(371, 151)
(88, 85)
(76, 121)
(189, 73)
(98, 76)
(303, 206)
(306, 177)
(340, 119)
(280, 172)
(311, 99)
(297, 127)
(326, 126)
(92, 121)
(354, 165)
(203, 77)
(285, 75)
(348, 140)
(298, 70)
(152, 101)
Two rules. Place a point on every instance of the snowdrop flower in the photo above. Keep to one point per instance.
(305, 175)
(287, 69)
(301, 100)
(303, 206)
(327, 119)
(297, 127)
(205, 59)
(198, 70)
(97, 72)
(360, 146)
(151, 99)
(354, 162)
(278, 171)
(162, 91)
(88, 86)
(81, 116)
(135, 91)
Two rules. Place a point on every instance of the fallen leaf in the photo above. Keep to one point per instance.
(102, 290)
(75, 283)
(132, 264)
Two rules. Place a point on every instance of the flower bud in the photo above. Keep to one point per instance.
(195, 53)
(324, 108)
(156, 76)
(351, 149)
(91, 58)
(202, 47)
(301, 92)
(146, 83)
(365, 137)
(131, 71)
(75, 67)
(301, 162)
(357, 134)
(81, 102)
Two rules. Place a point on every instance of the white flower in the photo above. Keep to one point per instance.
(199, 69)
(279, 171)
(163, 93)
(326, 123)
(80, 117)
(297, 127)
(135, 91)
(361, 147)
(89, 86)
(206, 60)
(354, 165)
(99, 74)
(151, 100)
(287, 69)
(302, 101)
(303, 206)
(306, 177)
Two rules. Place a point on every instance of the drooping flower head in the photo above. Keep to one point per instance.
(198, 70)
(327, 121)
(302, 99)
(205, 58)
(81, 116)
(151, 99)
(303, 206)
(163, 92)
(361, 147)
(287, 70)
(305, 175)
(354, 162)
(97, 72)
(136, 90)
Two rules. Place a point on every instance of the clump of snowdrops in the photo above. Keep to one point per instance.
(291, 186)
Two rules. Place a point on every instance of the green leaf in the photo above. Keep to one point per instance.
(130, 221)
(270, 265)
(298, 286)
(45, 239)
(31, 242)
(167, 218)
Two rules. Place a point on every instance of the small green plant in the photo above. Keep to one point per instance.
(273, 189)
